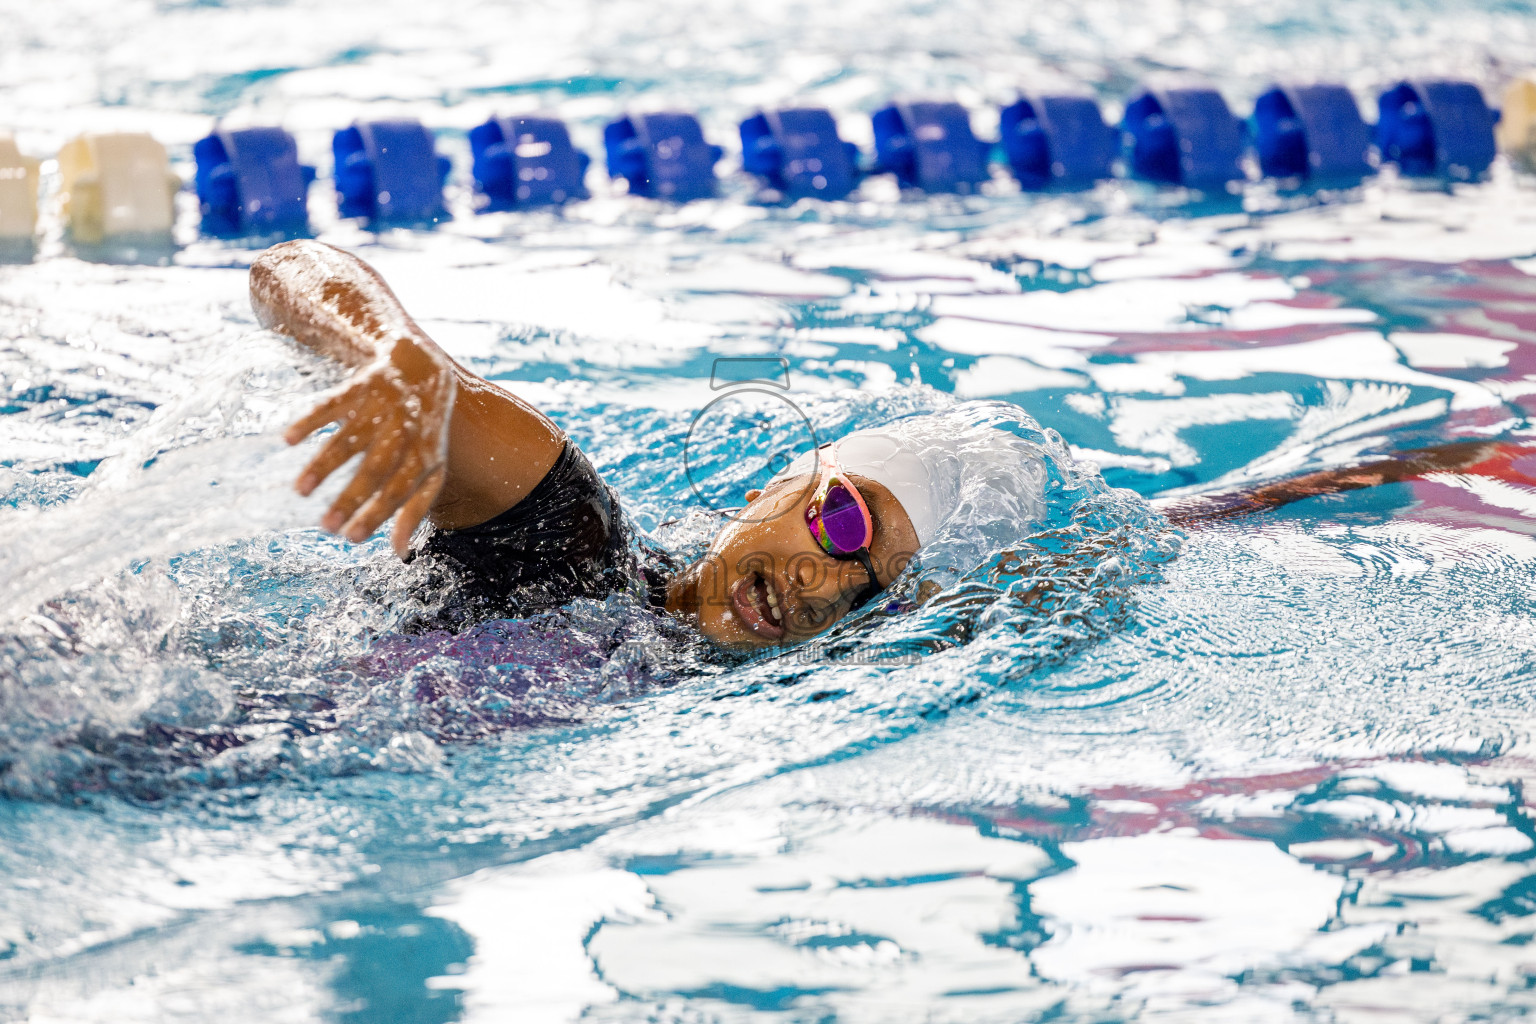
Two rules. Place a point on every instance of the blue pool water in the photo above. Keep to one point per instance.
(1270, 770)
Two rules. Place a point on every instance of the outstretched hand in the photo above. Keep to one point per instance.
(404, 401)
(396, 414)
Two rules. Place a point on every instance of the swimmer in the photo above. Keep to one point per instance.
(519, 518)
(520, 522)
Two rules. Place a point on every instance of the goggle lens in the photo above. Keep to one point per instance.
(844, 529)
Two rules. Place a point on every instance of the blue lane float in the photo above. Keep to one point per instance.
(1057, 141)
(662, 156)
(1311, 132)
(521, 162)
(250, 182)
(799, 154)
(929, 145)
(1436, 129)
(1183, 135)
(389, 173)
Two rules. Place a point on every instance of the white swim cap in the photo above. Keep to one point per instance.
(925, 461)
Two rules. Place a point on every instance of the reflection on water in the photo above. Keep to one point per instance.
(1271, 770)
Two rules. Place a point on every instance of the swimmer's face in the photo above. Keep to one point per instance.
(766, 582)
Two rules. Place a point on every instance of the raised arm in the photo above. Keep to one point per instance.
(436, 440)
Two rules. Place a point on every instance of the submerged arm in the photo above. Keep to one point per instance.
(436, 440)
(1445, 458)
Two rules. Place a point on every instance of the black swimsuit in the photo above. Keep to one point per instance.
(566, 539)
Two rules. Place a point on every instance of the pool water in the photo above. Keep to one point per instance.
(1271, 770)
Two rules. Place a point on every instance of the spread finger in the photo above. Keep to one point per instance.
(386, 499)
(415, 510)
(333, 455)
(377, 466)
(326, 411)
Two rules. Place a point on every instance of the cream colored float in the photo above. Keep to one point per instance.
(18, 192)
(117, 186)
(1517, 124)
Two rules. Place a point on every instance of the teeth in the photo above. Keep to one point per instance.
(773, 601)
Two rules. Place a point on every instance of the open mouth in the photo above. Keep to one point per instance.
(759, 605)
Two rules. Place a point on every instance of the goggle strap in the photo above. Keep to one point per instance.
(872, 587)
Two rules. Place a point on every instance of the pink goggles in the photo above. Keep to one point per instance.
(840, 523)
(837, 516)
